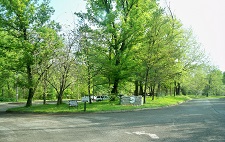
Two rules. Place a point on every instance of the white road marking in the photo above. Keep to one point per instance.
(129, 133)
(140, 132)
(153, 136)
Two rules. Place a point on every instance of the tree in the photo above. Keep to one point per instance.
(60, 74)
(118, 23)
(31, 35)
(195, 81)
(84, 51)
(214, 82)
(161, 49)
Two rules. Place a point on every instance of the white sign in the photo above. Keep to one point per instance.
(132, 100)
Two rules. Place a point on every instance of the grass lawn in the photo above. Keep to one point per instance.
(101, 106)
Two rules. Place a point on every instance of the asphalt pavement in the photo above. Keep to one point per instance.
(193, 121)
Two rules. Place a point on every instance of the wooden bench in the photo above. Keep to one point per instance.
(73, 103)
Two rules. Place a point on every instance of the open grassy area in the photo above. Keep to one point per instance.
(101, 106)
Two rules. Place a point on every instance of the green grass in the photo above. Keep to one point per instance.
(101, 106)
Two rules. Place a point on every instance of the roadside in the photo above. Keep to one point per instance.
(103, 106)
(7, 105)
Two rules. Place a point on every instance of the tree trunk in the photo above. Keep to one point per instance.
(146, 82)
(60, 93)
(109, 86)
(29, 76)
(175, 88)
(45, 88)
(59, 101)
(89, 83)
(89, 90)
(166, 90)
(8, 88)
(158, 90)
(31, 86)
(178, 88)
(115, 87)
(153, 92)
(141, 92)
(44, 98)
(136, 88)
(30, 97)
(116, 79)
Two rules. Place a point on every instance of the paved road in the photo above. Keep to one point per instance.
(193, 121)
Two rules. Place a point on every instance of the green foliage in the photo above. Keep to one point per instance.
(204, 80)
(6, 99)
(224, 78)
(129, 41)
(115, 20)
(30, 38)
(214, 82)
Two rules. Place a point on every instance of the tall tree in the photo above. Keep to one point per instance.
(32, 36)
(121, 24)
(161, 48)
(60, 74)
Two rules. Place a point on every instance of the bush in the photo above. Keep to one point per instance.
(4, 99)
(112, 98)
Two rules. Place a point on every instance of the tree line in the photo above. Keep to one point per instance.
(132, 47)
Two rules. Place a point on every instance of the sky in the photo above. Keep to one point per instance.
(207, 20)
(64, 11)
(205, 17)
